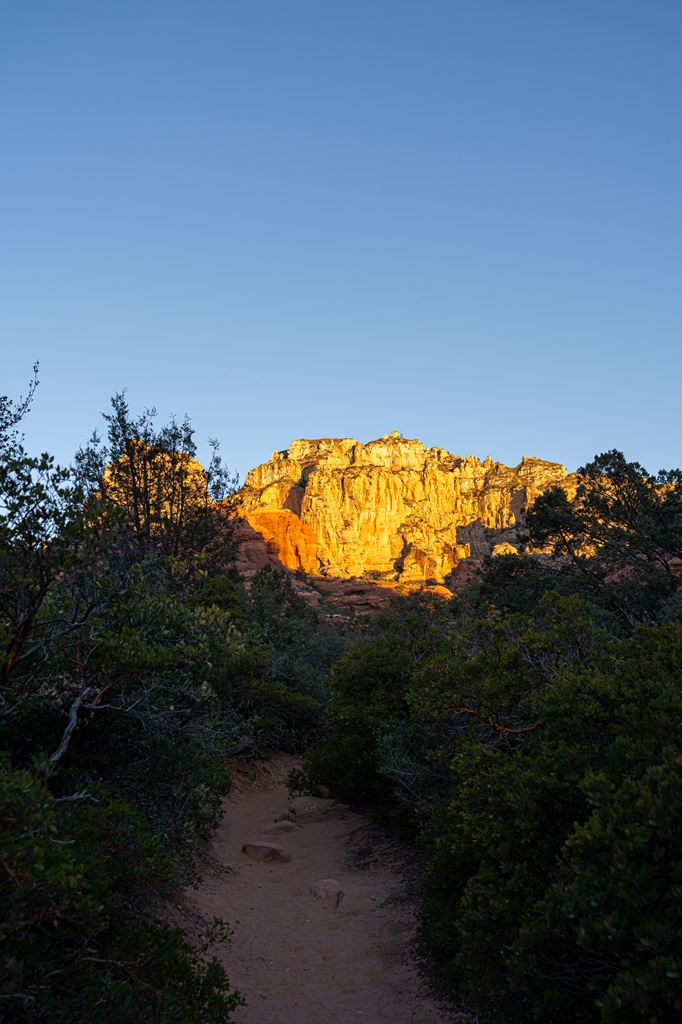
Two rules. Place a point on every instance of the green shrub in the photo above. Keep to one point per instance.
(605, 943)
(513, 921)
(81, 881)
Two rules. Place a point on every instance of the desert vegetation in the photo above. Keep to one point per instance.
(529, 732)
(133, 663)
(526, 732)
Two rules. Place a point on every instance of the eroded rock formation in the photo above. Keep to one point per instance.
(390, 511)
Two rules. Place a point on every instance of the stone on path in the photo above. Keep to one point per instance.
(327, 889)
(284, 825)
(315, 808)
(266, 851)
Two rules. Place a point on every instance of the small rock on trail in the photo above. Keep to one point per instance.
(266, 851)
(328, 889)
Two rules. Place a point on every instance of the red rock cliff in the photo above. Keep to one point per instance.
(391, 510)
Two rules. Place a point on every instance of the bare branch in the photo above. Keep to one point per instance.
(47, 767)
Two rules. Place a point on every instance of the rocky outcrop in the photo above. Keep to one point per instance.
(391, 511)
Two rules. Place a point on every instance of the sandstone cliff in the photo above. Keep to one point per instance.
(390, 511)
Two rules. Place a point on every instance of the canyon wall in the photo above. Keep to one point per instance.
(390, 511)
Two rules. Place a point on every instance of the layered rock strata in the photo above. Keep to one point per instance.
(390, 511)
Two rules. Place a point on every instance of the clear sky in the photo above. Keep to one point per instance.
(309, 218)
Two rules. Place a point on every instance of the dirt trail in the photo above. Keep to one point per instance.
(347, 954)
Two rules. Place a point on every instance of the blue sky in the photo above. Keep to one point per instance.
(307, 218)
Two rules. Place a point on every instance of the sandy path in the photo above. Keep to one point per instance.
(302, 960)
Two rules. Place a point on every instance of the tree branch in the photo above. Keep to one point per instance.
(47, 767)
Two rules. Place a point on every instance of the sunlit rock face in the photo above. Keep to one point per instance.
(391, 510)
